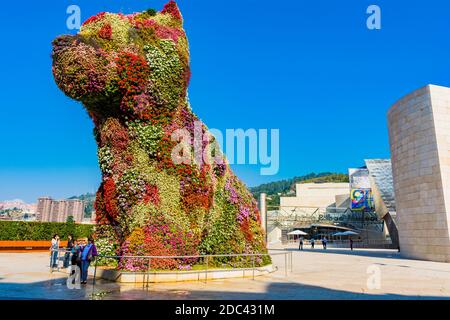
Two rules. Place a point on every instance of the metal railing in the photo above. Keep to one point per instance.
(58, 258)
(345, 243)
(363, 244)
(206, 259)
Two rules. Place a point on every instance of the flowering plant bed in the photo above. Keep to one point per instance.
(155, 276)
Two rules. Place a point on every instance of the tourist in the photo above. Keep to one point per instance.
(351, 244)
(312, 243)
(54, 251)
(88, 253)
(68, 251)
(324, 243)
(300, 245)
(76, 250)
(76, 260)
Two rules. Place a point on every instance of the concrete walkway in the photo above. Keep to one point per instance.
(316, 274)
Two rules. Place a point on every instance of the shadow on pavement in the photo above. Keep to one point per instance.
(57, 289)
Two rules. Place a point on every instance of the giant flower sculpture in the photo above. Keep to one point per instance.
(131, 72)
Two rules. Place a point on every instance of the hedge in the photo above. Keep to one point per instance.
(20, 230)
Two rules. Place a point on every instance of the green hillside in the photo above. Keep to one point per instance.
(88, 199)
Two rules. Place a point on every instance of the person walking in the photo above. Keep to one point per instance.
(54, 251)
(300, 245)
(351, 244)
(88, 254)
(312, 243)
(324, 243)
(68, 251)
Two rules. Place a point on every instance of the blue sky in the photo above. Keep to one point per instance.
(309, 68)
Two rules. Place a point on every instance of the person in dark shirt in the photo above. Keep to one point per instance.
(68, 251)
(300, 245)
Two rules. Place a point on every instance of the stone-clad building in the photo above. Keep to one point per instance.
(49, 210)
(419, 134)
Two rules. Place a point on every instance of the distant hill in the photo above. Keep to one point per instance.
(88, 199)
(286, 187)
(17, 204)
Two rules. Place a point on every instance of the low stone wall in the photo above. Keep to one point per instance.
(178, 276)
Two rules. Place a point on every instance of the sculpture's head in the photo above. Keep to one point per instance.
(126, 65)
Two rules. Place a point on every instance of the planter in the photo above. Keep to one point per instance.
(179, 276)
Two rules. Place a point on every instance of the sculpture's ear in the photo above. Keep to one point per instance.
(172, 9)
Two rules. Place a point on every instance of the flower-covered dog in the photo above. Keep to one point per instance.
(131, 72)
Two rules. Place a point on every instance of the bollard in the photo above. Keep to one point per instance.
(285, 264)
(95, 275)
(291, 261)
(253, 267)
(148, 271)
(206, 274)
(51, 261)
(57, 260)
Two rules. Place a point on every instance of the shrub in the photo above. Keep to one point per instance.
(20, 230)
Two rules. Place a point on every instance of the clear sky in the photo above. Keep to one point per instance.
(309, 68)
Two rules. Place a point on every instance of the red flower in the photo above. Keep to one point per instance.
(105, 32)
(172, 9)
(133, 71)
(95, 18)
(110, 198)
(101, 216)
(151, 194)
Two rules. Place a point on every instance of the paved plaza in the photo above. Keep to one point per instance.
(316, 274)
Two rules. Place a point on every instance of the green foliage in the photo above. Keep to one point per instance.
(166, 72)
(119, 37)
(88, 199)
(148, 136)
(105, 159)
(106, 247)
(151, 12)
(20, 230)
(221, 234)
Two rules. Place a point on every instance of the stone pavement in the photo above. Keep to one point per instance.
(316, 274)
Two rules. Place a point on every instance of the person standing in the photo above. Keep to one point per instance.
(351, 244)
(76, 251)
(68, 251)
(312, 243)
(300, 245)
(89, 252)
(76, 260)
(54, 251)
